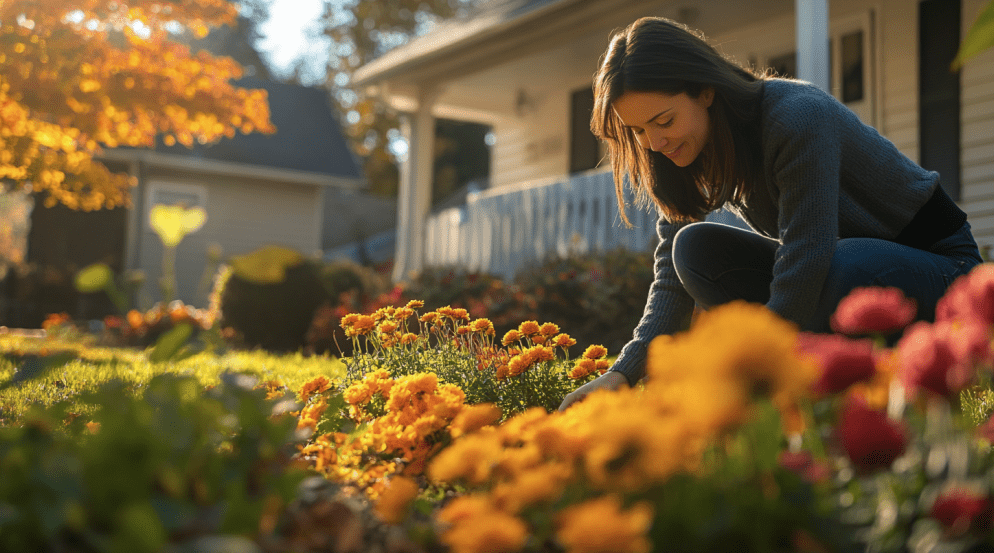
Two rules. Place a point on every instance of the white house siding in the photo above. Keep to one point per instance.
(534, 145)
(241, 216)
(977, 81)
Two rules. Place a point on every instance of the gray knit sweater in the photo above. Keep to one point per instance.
(826, 176)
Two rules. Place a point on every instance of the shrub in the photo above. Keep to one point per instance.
(270, 298)
(168, 464)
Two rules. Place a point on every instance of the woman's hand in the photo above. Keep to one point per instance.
(611, 380)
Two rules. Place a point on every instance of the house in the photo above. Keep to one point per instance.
(525, 68)
(290, 188)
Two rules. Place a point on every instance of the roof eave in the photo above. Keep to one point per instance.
(233, 169)
(455, 43)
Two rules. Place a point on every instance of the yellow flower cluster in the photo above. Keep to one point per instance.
(592, 361)
(417, 411)
(700, 385)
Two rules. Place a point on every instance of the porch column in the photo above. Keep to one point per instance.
(414, 198)
(812, 42)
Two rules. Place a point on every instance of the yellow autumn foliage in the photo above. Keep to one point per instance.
(77, 76)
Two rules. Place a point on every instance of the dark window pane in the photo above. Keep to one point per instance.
(785, 65)
(852, 67)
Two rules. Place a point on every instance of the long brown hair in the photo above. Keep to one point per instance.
(655, 54)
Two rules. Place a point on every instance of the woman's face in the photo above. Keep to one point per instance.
(675, 126)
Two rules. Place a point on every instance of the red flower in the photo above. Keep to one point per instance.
(970, 297)
(872, 310)
(870, 439)
(843, 361)
(960, 510)
(940, 357)
(803, 464)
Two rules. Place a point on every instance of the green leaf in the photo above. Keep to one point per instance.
(980, 37)
(94, 278)
(169, 344)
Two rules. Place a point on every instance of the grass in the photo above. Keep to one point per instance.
(43, 371)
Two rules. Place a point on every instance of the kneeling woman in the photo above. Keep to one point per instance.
(833, 203)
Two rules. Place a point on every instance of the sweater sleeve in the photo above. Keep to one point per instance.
(668, 307)
(803, 154)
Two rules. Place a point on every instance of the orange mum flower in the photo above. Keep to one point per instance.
(394, 500)
(429, 317)
(563, 341)
(511, 337)
(529, 328)
(484, 326)
(595, 352)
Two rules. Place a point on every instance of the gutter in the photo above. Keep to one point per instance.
(231, 169)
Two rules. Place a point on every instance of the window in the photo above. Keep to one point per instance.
(851, 63)
(584, 149)
(939, 90)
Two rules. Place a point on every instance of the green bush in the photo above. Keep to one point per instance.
(600, 297)
(270, 297)
(169, 463)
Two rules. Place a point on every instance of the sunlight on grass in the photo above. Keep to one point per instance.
(65, 369)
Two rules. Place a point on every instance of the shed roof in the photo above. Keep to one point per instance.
(308, 136)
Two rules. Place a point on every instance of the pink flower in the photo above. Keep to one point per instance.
(873, 310)
(869, 438)
(960, 510)
(941, 357)
(843, 361)
(970, 297)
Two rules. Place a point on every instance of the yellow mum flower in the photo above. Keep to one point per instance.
(538, 485)
(738, 344)
(471, 458)
(363, 325)
(387, 327)
(394, 500)
(318, 385)
(358, 393)
(474, 417)
(548, 329)
(415, 304)
(493, 532)
(463, 508)
(601, 526)
(460, 314)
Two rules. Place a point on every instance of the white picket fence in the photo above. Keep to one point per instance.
(501, 231)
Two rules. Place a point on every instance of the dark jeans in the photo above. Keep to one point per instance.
(719, 263)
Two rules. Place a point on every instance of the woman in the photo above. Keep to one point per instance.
(834, 204)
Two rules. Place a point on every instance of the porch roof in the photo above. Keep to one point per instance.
(498, 31)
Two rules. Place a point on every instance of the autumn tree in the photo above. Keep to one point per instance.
(77, 76)
(360, 31)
